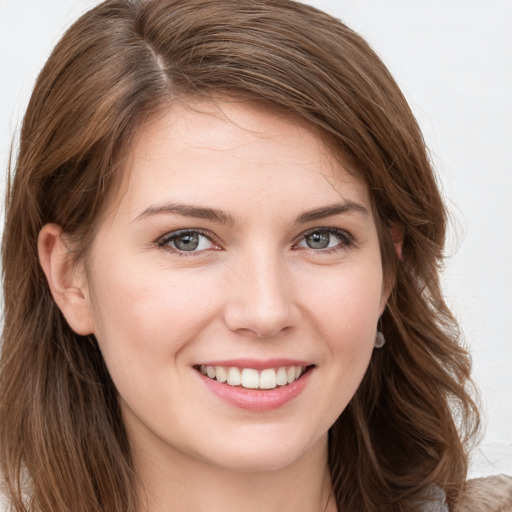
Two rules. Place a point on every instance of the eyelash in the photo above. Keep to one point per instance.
(347, 240)
(169, 237)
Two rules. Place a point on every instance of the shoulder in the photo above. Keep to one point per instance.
(3, 502)
(436, 502)
(3, 497)
(491, 494)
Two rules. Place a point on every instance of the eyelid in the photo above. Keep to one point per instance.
(347, 237)
(162, 241)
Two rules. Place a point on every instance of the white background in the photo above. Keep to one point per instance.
(453, 60)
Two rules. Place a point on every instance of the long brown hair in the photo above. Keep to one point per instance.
(62, 442)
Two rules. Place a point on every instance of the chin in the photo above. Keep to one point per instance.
(266, 453)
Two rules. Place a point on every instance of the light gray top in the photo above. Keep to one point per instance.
(438, 504)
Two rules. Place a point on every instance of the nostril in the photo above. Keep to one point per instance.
(260, 326)
(261, 308)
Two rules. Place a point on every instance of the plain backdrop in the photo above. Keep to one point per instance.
(453, 61)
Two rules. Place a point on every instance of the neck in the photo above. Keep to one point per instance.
(171, 480)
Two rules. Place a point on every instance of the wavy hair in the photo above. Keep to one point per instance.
(63, 445)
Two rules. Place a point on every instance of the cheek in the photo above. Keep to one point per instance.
(149, 317)
(344, 313)
(145, 324)
(348, 300)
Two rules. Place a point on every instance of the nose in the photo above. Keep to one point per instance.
(261, 298)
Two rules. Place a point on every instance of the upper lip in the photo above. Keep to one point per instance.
(256, 364)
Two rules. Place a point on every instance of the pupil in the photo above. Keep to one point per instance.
(187, 242)
(318, 240)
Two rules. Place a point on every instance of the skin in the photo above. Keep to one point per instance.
(252, 289)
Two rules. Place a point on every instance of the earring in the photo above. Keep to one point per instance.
(380, 341)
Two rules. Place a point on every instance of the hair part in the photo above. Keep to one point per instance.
(409, 424)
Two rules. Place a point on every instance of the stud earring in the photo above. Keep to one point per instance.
(380, 341)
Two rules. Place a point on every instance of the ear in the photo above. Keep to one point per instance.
(397, 235)
(65, 278)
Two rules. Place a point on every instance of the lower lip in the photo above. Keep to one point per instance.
(258, 399)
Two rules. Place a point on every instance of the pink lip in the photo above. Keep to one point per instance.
(256, 364)
(257, 399)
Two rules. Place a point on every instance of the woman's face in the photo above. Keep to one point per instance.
(242, 249)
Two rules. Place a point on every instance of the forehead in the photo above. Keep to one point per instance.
(209, 151)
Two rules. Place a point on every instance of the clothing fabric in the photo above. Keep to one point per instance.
(439, 505)
(436, 502)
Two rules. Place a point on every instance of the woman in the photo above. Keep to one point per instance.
(221, 281)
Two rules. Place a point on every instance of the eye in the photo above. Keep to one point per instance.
(325, 238)
(187, 241)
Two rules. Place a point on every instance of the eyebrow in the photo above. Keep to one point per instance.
(222, 217)
(186, 210)
(346, 206)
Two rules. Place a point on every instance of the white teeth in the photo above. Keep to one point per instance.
(281, 377)
(234, 378)
(268, 379)
(221, 374)
(250, 378)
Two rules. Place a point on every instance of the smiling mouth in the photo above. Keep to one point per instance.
(250, 378)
